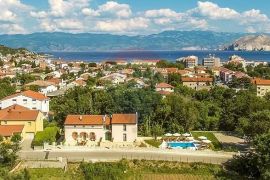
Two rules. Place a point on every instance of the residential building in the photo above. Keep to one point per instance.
(29, 99)
(211, 61)
(197, 83)
(151, 62)
(164, 87)
(262, 86)
(16, 115)
(100, 128)
(189, 61)
(45, 87)
(7, 131)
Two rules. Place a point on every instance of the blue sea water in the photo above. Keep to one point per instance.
(167, 55)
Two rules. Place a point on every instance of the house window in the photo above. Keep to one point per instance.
(29, 123)
(5, 122)
(34, 108)
(34, 101)
(124, 137)
(124, 127)
(14, 100)
(24, 101)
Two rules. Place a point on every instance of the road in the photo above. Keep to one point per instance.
(113, 155)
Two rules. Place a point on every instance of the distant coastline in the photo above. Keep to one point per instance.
(172, 55)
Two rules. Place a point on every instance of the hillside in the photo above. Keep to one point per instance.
(168, 40)
(6, 50)
(251, 43)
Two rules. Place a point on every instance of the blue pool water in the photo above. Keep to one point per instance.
(181, 144)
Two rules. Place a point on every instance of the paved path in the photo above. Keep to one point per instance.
(26, 145)
(228, 140)
(118, 154)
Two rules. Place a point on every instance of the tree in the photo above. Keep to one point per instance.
(8, 152)
(255, 163)
(157, 130)
(1, 63)
(16, 138)
(34, 88)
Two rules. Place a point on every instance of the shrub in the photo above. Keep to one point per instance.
(1, 138)
(16, 138)
(49, 135)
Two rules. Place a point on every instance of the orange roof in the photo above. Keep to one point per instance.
(80, 82)
(172, 70)
(259, 81)
(164, 92)
(86, 120)
(15, 115)
(9, 130)
(56, 81)
(124, 119)
(199, 79)
(164, 85)
(28, 93)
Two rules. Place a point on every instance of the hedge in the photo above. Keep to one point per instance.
(49, 135)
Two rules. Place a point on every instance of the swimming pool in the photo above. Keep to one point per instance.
(182, 145)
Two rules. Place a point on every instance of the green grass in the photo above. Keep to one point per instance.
(72, 173)
(217, 146)
(131, 169)
(153, 142)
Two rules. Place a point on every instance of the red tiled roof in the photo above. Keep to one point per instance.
(86, 120)
(164, 92)
(124, 119)
(164, 85)
(9, 130)
(199, 79)
(24, 115)
(259, 81)
(28, 93)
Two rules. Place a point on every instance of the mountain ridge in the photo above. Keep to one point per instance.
(81, 42)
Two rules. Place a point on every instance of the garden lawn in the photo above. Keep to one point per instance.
(217, 146)
(153, 142)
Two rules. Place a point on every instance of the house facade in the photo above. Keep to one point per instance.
(262, 86)
(197, 83)
(16, 115)
(100, 128)
(164, 87)
(29, 99)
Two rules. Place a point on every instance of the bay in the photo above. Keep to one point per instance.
(166, 55)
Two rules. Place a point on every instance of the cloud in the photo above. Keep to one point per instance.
(115, 17)
(124, 25)
(161, 13)
(90, 12)
(254, 15)
(114, 8)
(12, 29)
(213, 11)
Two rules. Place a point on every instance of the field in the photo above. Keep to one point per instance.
(136, 169)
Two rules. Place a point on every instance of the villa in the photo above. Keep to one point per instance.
(21, 120)
(82, 129)
(29, 99)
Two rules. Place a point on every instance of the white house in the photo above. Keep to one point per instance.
(100, 128)
(44, 86)
(164, 87)
(115, 78)
(28, 99)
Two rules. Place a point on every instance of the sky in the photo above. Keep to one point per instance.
(133, 17)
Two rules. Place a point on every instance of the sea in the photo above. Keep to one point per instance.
(99, 56)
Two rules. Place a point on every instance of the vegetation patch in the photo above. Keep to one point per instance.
(210, 136)
(49, 135)
(153, 142)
